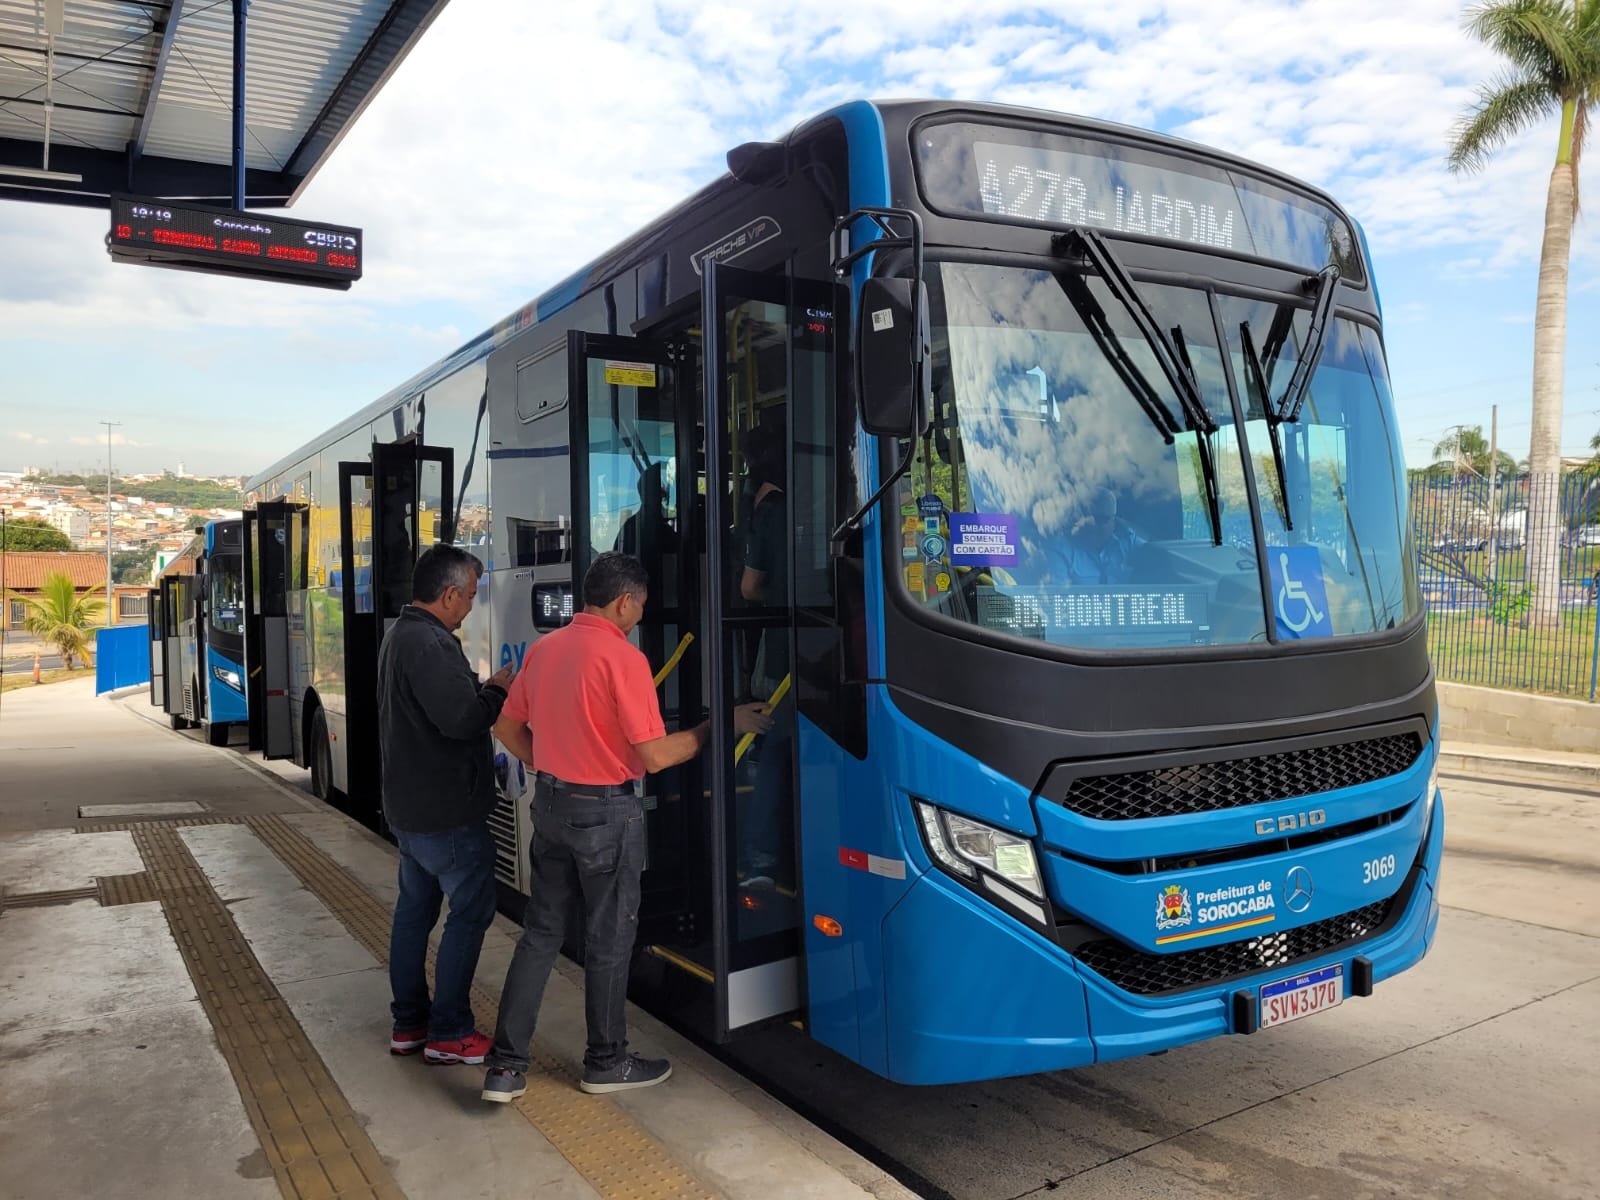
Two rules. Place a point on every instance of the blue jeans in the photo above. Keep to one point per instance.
(460, 864)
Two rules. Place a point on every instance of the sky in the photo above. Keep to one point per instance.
(519, 141)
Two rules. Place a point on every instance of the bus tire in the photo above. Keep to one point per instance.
(217, 734)
(321, 758)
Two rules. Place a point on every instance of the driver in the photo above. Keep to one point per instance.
(1101, 544)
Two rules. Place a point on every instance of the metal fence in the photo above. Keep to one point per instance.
(1500, 613)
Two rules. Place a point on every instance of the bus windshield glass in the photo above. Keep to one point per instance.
(227, 594)
(1061, 494)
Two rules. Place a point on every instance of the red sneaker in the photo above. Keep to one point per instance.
(472, 1049)
(407, 1041)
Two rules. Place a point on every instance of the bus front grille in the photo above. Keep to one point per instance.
(1146, 974)
(1201, 787)
(503, 825)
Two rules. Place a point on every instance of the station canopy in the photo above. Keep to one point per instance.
(105, 96)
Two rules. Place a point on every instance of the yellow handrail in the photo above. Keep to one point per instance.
(671, 664)
(772, 702)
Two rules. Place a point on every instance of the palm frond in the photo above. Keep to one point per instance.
(1539, 36)
(1504, 109)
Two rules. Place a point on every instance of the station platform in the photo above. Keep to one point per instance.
(194, 1003)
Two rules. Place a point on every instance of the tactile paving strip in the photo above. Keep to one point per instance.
(312, 1138)
(619, 1159)
(45, 899)
(127, 889)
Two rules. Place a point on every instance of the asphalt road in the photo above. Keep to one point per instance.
(1476, 1074)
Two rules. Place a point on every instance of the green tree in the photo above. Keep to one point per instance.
(133, 566)
(63, 617)
(1553, 53)
(28, 534)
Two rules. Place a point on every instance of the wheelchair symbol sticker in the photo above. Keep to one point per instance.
(1300, 598)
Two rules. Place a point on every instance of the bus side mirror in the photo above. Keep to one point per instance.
(892, 356)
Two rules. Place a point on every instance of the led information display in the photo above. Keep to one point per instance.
(1066, 614)
(1058, 179)
(192, 237)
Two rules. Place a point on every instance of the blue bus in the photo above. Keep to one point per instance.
(197, 634)
(1043, 476)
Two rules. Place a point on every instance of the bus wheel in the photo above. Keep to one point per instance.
(321, 758)
(217, 734)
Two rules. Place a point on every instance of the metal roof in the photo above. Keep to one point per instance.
(140, 97)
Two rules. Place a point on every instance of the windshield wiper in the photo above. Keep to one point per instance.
(1173, 359)
(1326, 281)
(1099, 326)
(1258, 382)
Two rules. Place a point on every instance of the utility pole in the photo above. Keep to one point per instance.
(109, 426)
(1494, 507)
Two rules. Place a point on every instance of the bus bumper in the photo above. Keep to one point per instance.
(972, 994)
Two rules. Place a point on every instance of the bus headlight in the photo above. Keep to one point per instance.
(231, 678)
(1002, 863)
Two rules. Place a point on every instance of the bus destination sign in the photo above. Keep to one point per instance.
(193, 237)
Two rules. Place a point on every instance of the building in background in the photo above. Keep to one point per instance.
(26, 570)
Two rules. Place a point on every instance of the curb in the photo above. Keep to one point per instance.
(1473, 762)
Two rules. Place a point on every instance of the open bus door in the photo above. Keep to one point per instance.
(391, 509)
(633, 439)
(266, 532)
(170, 700)
(749, 322)
(157, 648)
(720, 913)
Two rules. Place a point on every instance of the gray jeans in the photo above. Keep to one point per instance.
(586, 847)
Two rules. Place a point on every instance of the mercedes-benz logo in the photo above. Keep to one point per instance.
(1297, 889)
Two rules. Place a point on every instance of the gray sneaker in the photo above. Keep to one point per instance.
(502, 1086)
(631, 1072)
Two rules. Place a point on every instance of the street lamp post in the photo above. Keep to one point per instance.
(109, 426)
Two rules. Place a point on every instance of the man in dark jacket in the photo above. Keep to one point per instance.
(434, 720)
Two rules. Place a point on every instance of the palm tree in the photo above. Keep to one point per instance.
(63, 617)
(1467, 451)
(1553, 48)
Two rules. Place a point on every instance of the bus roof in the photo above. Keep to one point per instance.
(637, 246)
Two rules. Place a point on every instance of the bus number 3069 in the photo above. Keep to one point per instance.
(1375, 869)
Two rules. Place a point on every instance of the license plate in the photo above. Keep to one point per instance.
(1303, 996)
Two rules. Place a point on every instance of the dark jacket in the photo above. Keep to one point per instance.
(434, 719)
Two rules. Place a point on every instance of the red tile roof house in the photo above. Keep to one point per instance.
(23, 573)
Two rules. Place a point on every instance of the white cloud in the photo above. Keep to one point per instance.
(520, 141)
(22, 436)
(117, 439)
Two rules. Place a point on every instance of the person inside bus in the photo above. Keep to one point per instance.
(648, 533)
(1100, 547)
(585, 716)
(764, 581)
(434, 719)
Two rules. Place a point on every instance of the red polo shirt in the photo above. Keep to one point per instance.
(587, 697)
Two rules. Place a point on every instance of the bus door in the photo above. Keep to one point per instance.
(632, 486)
(748, 321)
(406, 507)
(266, 644)
(172, 682)
(357, 706)
(158, 647)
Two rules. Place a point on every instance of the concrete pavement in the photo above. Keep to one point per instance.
(198, 1005)
(1474, 1075)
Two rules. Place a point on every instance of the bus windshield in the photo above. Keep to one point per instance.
(227, 594)
(1062, 493)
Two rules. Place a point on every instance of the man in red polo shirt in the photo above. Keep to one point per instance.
(583, 713)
